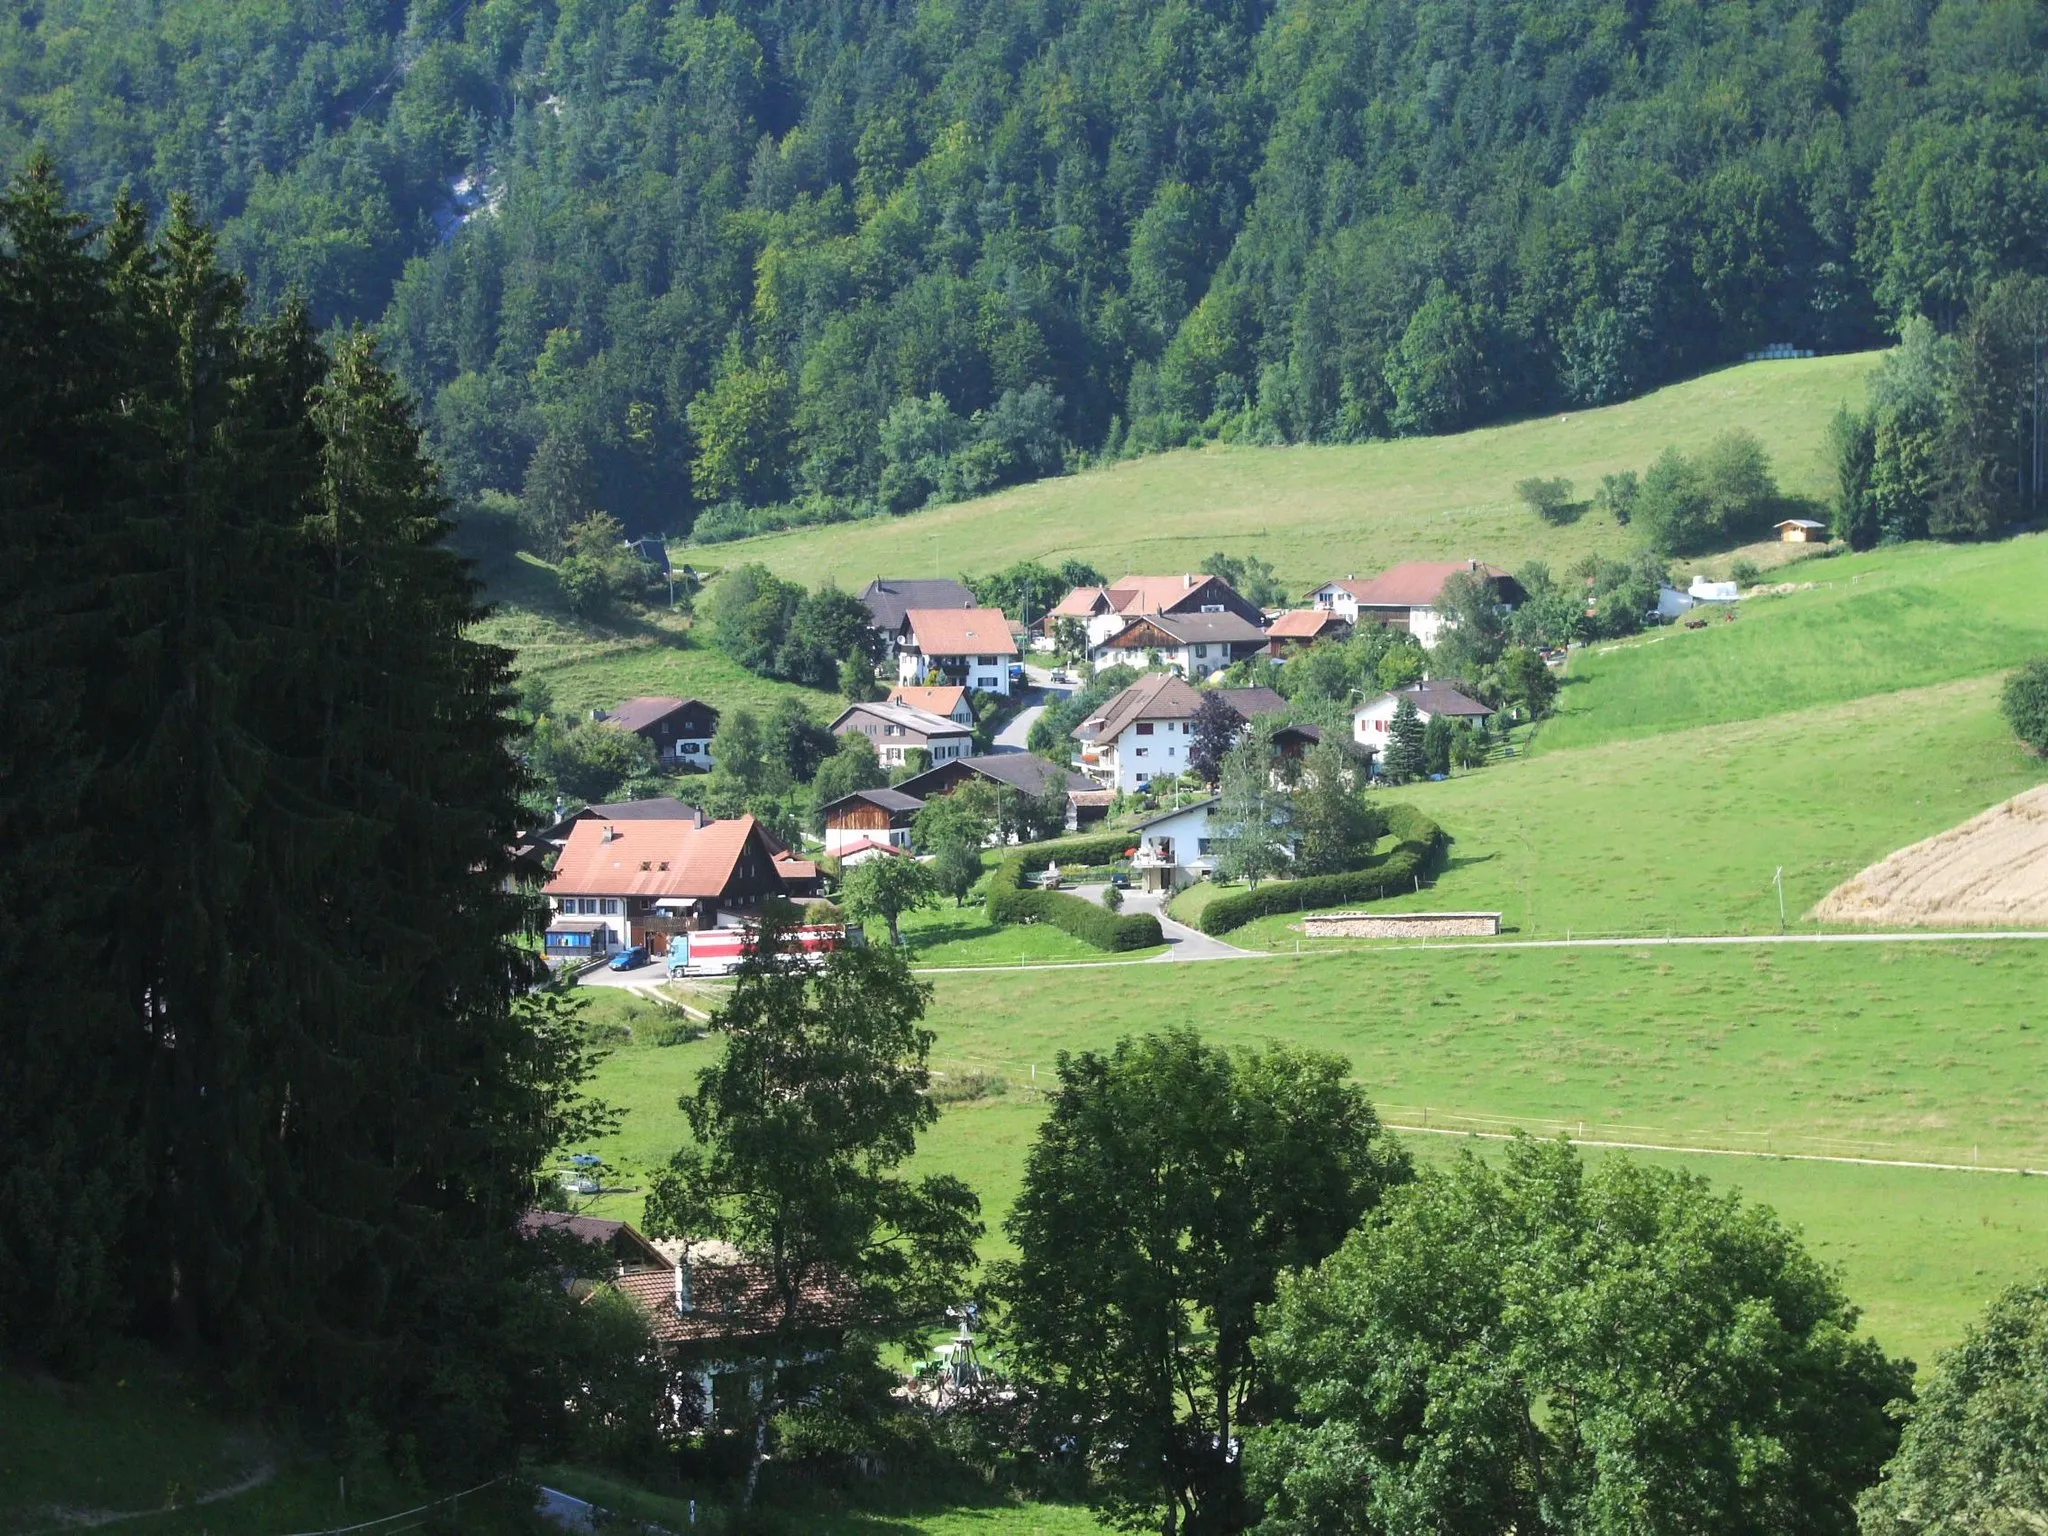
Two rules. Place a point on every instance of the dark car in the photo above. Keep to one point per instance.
(630, 958)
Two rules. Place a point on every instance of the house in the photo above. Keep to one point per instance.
(680, 729)
(1193, 644)
(1410, 596)
(1370, 721)
(887, 601)
(616, 1246)
(549, 839)
(899, 729)
(869, 816)
(948, 702)
(965, 647)
(1105, 610)
(1293, 742)
(1145, 732)
(1802, 530)
(1175, 847)
(637, 882)
(859, 852)
(1299, 628)
(1026, 773)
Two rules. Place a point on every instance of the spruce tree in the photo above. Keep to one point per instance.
(1406, 758)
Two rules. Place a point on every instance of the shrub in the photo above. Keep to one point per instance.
(2025, 702)
(1009, 901)
(1417, 843)
(966, 1087)
(1550, 500)
(679, 1032)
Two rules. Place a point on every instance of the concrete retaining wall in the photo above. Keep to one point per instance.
(1399, 925)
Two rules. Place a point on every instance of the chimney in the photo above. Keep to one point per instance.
(684, 1302)
(1187, 580)
(610, 832)
(1471, 565)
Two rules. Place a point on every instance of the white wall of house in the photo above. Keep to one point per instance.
(984, 674)
(1147, 750)
(609, 910)
(1176, 850)
(1194, 661)
(1335, 600)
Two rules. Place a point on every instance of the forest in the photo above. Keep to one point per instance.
(720, 266)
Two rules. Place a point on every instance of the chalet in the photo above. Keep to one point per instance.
(1105, 610)
(1300, 628)
(1144, 732)
(869, 816)
(899, 729)
(1178, 847)
(637, 882)
(1802, 530)
(550, 838)
(1372, 719)
(679, 729)
(1192, 644)
(1410, 596)
(963, 647)
(947, 702)
(1026, 773)
(887, 601)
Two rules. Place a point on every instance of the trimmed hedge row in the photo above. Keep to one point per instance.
(1098, 848)
(1417, 843)
(1009, 901)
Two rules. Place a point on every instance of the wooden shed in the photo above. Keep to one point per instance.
(1802, 530)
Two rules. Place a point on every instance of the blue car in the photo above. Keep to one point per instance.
(630, 958)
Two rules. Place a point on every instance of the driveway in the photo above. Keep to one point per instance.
(1182, 942)
(1016, 736)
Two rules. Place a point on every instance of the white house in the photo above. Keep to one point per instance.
(1371, 720)
(680, 730)
(899, 729)
(966, 647)
(1145, 732)
(948, 701)
(1705, 591)
(1192, 644)
(1175, 848)
(1410, 596)
(1105, 610)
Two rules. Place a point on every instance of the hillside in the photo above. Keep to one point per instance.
(660, 258)
(1315, 512)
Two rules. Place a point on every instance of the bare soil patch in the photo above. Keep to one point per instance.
(1991, 869)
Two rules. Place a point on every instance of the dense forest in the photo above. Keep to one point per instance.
(677, 259)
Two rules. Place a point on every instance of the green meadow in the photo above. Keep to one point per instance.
(1317, 512)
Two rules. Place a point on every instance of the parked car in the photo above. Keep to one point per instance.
(631, 958)
(1120, 880)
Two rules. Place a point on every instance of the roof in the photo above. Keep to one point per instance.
(1417, 584)
(960, 631)
(1153, 594)
(1799, 522)
(911, 718)
(887, 799)
(1436, 699)
(889, 600)
(1025, 772)
(654, 551)
(638, 714)
(1253, 702)
(1195, 628)
(790, 867)
(1303, 623)
(1156, 696)
(932, 698)
(1080, 603)
(595, 1230)
(727, 1301)
(1179, 810)
(652, 858)
(869, 845)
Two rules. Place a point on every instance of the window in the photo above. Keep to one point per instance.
(611, 906)
(1144, 727)
(1142, 752)
(1202, 651)
(1204, 846)
(1380, 725)
(665, 728)
(688, 748)
(1212, 608)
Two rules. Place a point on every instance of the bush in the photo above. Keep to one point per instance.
(1550, 500)
(966, 1087)
(1009, 901)
(1744, 573)
(1417, 843)
(2025, 702)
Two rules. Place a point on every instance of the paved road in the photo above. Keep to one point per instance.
(1016, 736)
(1182, 942)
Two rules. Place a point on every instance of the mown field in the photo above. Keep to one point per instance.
(1324, 511)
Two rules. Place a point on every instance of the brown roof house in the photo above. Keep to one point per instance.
(1105, 610)
(1300, 628)
(964, 647)
(1371, 720)
(869, 816)
(1144, 733)
(679, 729)
(946, 701)
(1409, 596)
(888, 600)
(1192, 644)
(900, 729)
(1025, 773)
(638, 882)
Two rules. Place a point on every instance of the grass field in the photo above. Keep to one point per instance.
(1890, 619)
(1319, 512)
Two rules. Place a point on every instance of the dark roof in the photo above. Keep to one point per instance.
(1179, 810)
(639, 714)
(1253, 702)
(654, 551)
(1195, 628)
(889, 600)
(887, 799)
(1439, 699)
(1156, 696)
(595, 1230)
(654, 808)
(1025, 772)
(1305, 729)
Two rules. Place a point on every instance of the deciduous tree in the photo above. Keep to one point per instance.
(887, 888)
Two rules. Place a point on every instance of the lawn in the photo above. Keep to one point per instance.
(1685, 831)
(1324, 511)
(593, 665)
(1893, 618)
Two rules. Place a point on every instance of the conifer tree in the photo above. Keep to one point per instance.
(1406, 757)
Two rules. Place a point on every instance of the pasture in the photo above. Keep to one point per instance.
(1318, 512)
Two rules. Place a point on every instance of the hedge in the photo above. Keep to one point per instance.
(1010, 901)
(1417, 843)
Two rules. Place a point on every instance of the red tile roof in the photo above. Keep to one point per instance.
(727, 1301)
(653, 858)
(932, 699)
(1418, 584)
(1153, 594)
(961, 631)
(1080, 603)
(1303, 624)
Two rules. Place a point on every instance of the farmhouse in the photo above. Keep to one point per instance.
(899, 729)
(1105, 610)
(1410, 596)
(948, 702)
(637, 882)
(1023, 773)
(964, 647)
(616, 1246)
(887, 601)
(869, 816)
(549, 840)
(1299, 628)
(1192, 644)
(1144, 732)
(679, 729)
(1802, 530)
(1370, 721)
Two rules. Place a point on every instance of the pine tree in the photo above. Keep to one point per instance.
(1406, 758)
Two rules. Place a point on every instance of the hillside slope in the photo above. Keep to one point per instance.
(1315, 512)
